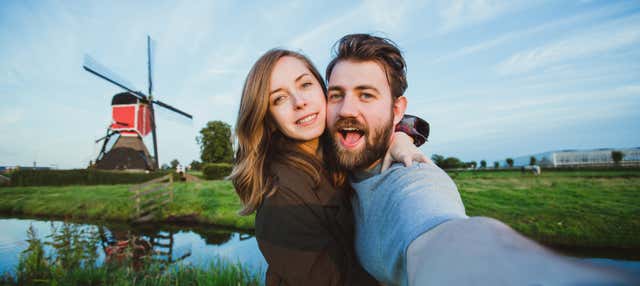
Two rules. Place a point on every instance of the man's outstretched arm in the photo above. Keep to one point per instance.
(485, 251)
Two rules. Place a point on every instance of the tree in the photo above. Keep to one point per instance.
(165, 166)
(532, 161)
(452, 163)
(472, 164)
(196, 165)
(437, 159)
(483, 164)
(510, 162)
(174, 163)
(617, 157)
(496, 164)
(215, 143)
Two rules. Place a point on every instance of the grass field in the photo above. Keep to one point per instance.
(572, 208)
(579, 208)
(207, 202)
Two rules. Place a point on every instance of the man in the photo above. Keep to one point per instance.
(411, 226)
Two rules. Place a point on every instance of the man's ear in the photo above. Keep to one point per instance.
(399, 107)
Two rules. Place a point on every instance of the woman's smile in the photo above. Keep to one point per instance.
(307, 120)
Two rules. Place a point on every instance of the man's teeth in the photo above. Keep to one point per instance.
(307, 119)
(349, 129)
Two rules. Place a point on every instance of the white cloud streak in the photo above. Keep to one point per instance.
(607, 37)
(516, 35)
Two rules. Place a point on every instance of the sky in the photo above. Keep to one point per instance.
(495, 79)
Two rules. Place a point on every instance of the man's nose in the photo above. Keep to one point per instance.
(349, 107)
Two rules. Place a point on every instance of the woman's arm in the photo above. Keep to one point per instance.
(411, 132)
(416, 127)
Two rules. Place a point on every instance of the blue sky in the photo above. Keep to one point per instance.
(495, 79)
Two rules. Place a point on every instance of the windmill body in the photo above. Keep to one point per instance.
(131, 122)
(133, 118)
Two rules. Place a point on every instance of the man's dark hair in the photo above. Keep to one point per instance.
(365, 47)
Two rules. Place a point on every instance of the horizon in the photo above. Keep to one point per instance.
(494, 79)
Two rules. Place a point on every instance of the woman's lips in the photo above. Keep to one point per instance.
(307, 120)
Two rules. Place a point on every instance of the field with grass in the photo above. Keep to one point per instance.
(564, 208)
(570, 208)
(206, 202)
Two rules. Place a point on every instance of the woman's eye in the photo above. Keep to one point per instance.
(279, 99)
(306, 84)
(366, 95)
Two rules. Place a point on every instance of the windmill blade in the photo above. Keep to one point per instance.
(172, 108)
(99, 70)
(151, 49)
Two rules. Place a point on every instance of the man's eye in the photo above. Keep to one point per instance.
(335, 96)
(365, 95)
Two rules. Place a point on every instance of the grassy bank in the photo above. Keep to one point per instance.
(577, 208)
(207, 202)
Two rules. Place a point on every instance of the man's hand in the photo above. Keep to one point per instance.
(402, 150)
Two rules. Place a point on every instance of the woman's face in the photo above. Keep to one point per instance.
(296, 100)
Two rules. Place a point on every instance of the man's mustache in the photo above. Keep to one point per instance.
(350, 122)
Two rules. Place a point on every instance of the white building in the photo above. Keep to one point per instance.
(581, 158)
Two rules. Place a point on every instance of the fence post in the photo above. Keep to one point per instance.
(171, 188)
(138, 201)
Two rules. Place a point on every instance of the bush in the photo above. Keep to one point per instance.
(79, 177)
(216, 171)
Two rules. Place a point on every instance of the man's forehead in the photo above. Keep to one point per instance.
(349, 74)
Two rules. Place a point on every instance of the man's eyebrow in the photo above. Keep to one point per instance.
(335, 88)
(363, 87)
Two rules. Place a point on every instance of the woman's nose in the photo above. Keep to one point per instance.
(300, 101)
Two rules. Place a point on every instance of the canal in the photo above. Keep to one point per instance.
(196, 244)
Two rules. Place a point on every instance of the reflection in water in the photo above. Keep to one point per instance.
(170, 245)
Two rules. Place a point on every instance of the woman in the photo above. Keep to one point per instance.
(304, 222)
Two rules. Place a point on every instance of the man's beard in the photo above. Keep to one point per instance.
(376, 145)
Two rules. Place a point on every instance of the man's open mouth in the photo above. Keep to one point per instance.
(350, 136)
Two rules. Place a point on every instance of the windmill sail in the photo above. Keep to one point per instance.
(92, 66)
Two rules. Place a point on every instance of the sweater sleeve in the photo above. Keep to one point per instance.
(415, 127)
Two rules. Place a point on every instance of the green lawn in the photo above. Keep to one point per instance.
(573, 208)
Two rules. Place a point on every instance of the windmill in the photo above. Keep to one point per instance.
(133, 118)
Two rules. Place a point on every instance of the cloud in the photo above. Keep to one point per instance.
(607, 37)
(516, 35)
(456, 14)
(11, 115)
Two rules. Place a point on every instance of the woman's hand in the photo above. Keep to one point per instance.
(402, 150)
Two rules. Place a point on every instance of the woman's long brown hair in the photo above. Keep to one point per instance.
(260, 143)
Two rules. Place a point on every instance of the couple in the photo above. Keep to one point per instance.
(327, 211)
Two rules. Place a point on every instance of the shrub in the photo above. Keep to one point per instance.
(25, 177)
(216, 171)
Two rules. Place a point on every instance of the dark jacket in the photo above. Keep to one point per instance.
(306, 233)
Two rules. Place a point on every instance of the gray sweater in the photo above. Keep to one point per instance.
(393, 208)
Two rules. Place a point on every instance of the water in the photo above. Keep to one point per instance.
(200, 245)
(195, 245)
